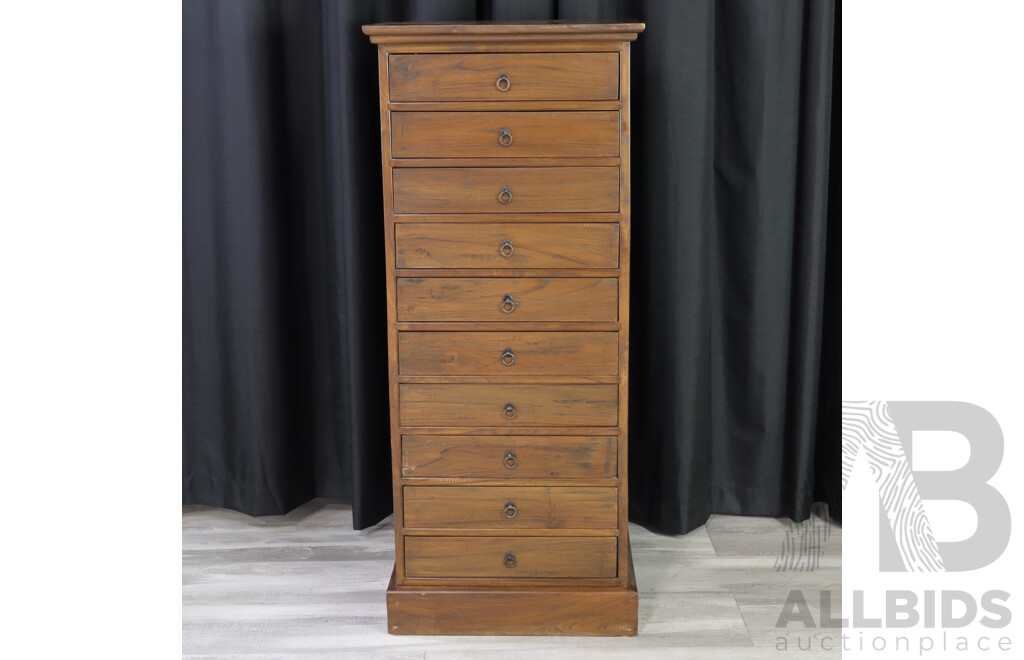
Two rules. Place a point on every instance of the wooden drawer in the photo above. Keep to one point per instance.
(508, 299)
(504, 134)
(509, 456)
(505, 189)
(510, 507)
(506, 245)
(508, 353)
(531, 557)
(457, 404)
(504, 77)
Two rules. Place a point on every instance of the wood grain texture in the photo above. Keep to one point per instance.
(564, 30)
(510, 326)
(504, 134)
(507, 272)
(532, 456)
(489, 507)
(484, 299)
(533, 189)
(390, 301)
(533, 557)
(514, 611)
(511, 380)
(508, 353)
(489, 217)
(497, 531)
(505, 43)
(506, 245)
(510, 430)
(511, 161)
(530, 76)
(487, 405)
(508, 106)
(624, 257)
(511, 44)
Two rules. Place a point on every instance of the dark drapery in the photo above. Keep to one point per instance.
(735, 333)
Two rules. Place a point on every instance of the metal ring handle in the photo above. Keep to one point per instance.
(506, 249)
(505, 137)
(510, 411)
(508, 357)
(505, 196)
(508, 305)
(510, 510)
(510, 560)
(503, 83)
(510, 460)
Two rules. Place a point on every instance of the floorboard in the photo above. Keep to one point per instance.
(307, 585)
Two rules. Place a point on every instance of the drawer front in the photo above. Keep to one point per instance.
(457, 404)
(509, 456)
(504, 134)
(508, 353)
(504, 77)
(508, 299)
(506, 189)
(506, 245)
(510, 557)
(510, 507)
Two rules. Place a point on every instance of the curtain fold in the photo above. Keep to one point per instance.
(734, 334)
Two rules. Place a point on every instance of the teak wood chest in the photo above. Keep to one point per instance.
(506, 220)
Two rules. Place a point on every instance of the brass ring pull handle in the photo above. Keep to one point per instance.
(507, 249)
(508, 305)
(505, 137)
(510, 510)
(510, 411)
(510, 460)
(505, 196)
(508, 358)
(510, 560)
(503, 83)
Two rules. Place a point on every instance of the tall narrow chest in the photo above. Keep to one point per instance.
(506, 223)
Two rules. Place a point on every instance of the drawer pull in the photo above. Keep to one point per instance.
(503, 83)
(505, 196)
(508, 305)
(505, 137)
(510, 510)
(510, 460)
(506, 249)
(510, 411)
(508, 358)
(510, 560)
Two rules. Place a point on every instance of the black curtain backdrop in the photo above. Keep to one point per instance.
(735, 330)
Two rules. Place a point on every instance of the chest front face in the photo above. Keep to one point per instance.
(506, 233)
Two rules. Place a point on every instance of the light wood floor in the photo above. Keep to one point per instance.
(308, 585)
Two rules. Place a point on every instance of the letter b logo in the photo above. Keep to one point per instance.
(883, 431)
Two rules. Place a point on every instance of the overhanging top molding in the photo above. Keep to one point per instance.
(499, 30)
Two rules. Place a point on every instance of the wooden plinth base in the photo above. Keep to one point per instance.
(593, 611)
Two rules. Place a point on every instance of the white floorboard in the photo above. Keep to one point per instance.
(307, 585)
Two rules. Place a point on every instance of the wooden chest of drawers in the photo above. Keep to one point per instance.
(506, 216)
